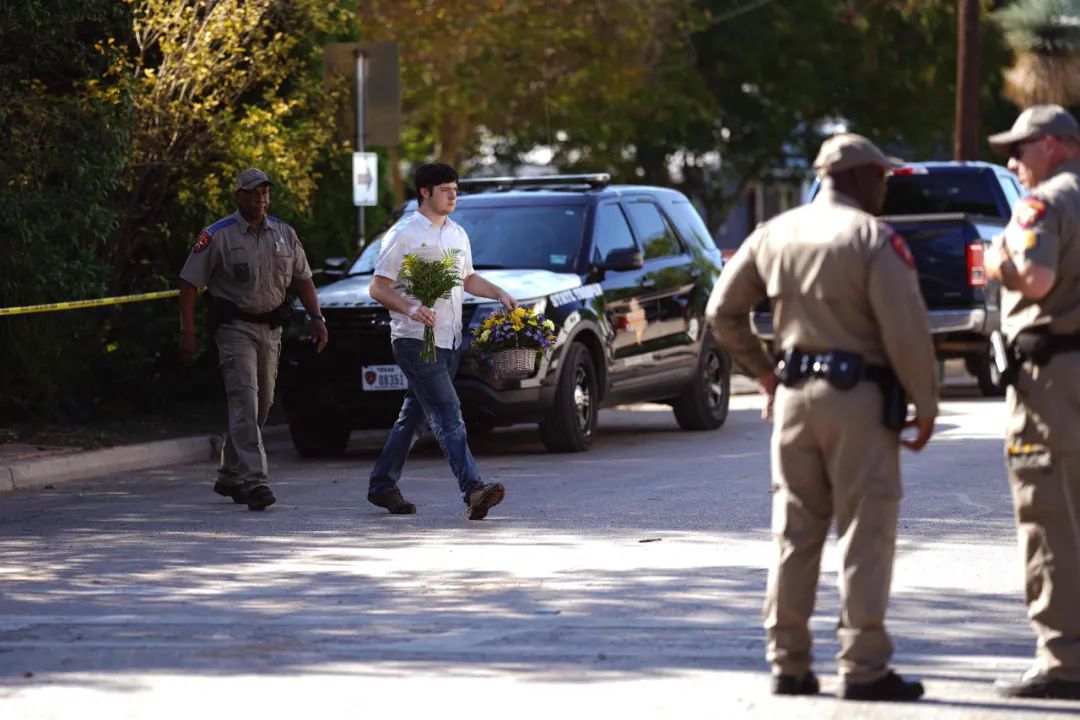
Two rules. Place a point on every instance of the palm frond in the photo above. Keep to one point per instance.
(1045, 35)
(1045, 27)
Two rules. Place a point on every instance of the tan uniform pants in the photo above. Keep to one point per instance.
(832, 457)
(249, 360)
(1042, 456)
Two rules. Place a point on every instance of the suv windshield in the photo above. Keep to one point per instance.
(545, 237)
(941, 192)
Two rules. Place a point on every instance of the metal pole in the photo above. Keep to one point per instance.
(966, 137)
(361, 76)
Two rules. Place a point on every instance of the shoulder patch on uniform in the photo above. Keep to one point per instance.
(1029, 211)
(223, 223)
(1031, 239)
(899, 245)
(202, 243)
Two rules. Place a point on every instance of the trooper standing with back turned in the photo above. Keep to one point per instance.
(1037, 263)
(853, 335)
(247, 262)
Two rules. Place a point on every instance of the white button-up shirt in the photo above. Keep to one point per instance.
(408, 237)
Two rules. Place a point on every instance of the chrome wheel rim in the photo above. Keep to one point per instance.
(713, 375)
(583, 400)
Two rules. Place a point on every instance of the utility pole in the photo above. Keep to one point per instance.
(361, 89)
(966, 138)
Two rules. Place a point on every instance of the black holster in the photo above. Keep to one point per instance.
(1035, 345)
(894, 408)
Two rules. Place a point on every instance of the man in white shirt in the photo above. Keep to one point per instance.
(431, 399)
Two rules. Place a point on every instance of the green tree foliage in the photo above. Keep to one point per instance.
(124, 125)
(63, 150)
(499, 69)
(216, 85)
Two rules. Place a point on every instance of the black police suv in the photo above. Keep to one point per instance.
(623, 271)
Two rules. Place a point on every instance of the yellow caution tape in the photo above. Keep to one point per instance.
(77, 304)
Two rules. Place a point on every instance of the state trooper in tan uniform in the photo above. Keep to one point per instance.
(247, 262)
(852, 334)
(1038, 264)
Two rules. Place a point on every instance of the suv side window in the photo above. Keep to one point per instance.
(610, 232)
(657, 237)
(690, 225)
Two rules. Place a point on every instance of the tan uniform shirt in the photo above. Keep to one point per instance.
(250, 268)
(838, 279)
(1045, 230)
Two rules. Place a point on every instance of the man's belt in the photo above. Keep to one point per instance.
(1035, 345)
(844, 370)
(1040, 346)
(223, 312)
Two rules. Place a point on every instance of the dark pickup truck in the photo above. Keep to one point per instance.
(948, 213)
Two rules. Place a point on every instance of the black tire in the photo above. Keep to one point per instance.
(986, 373)
(704, 403)
(316, 436)
(570, 424)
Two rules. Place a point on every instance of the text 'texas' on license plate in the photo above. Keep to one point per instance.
(384, 377)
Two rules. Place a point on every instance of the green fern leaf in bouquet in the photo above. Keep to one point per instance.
(429, 277)
(1045, 35)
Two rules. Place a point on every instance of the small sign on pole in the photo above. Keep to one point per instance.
(365, 176)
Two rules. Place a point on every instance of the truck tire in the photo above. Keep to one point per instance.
(571, 422)
(984, 369)
(317, 435)
(704, 403)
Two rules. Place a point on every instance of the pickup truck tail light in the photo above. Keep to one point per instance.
(976, 273)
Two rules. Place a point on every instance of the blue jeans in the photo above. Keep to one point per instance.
(431, 401)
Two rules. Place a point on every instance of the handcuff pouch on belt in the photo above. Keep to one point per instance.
(844, 370)
(222, 312)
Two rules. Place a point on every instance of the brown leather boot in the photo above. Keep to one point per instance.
(393, 501)
(483, 498)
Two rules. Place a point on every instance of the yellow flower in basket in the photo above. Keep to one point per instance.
(516, 340)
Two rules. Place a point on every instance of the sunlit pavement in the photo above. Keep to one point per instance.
(622, 582)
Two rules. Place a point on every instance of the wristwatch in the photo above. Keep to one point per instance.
(320, 318)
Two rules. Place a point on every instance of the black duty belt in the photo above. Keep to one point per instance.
(223, 312)
(1040, 346)
(844, 370)
(1035, 345)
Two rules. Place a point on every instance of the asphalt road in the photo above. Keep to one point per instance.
(626, 581)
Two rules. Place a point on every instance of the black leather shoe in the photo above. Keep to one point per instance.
(231, 489)
(889, 688)
(393, 501)
(795, 685)
(1038, 686)
(260, 497)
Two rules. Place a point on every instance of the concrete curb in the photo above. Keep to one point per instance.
(83, 465)
(40, 472)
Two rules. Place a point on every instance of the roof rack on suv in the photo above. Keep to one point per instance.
(593, 181)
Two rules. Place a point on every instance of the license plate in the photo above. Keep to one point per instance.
(384, 377)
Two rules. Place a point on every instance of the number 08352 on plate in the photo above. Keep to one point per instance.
(384, 377)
